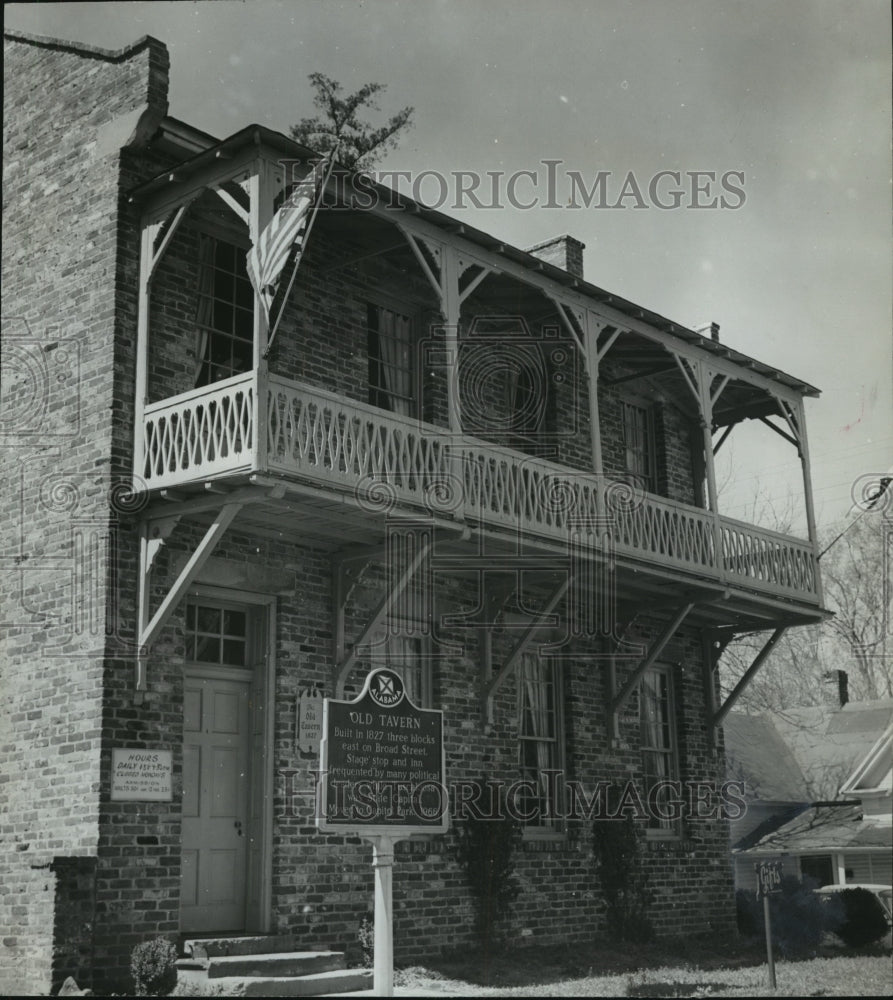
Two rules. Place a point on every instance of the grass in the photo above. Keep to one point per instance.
(683, 968)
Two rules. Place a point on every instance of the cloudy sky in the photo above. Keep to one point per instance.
(794, 95)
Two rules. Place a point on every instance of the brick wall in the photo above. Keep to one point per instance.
(67, 111)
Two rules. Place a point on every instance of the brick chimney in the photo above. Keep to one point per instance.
(837, 684)
(711, 328)
(564, 252)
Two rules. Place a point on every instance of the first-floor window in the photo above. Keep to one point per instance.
(658, 744)
(406, 653)
(540, 739)
(392, 371)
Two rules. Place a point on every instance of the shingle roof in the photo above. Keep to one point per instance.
(803, 754)
(830, 827)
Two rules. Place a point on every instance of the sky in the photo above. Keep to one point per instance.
(794, 96)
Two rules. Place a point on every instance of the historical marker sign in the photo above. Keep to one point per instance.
(382, 763)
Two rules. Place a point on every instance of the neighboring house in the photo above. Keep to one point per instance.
(451, 456)
(818, 791)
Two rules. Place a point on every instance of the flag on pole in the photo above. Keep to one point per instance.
(286, 229)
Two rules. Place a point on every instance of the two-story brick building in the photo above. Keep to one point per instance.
(451, 456)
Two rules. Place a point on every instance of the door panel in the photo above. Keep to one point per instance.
(216, 745)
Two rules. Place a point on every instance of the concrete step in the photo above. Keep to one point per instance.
(315, 984)
(275, 965)
(245, 944)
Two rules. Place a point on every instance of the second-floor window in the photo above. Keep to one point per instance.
(657, 731)
(224, 314)
(392, 368)
(639, 444)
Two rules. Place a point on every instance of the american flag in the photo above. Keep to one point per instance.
(286, 229)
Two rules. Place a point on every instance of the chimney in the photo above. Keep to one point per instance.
(564, 252)
(839, 683)
(711, 328)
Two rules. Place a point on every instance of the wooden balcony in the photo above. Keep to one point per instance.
(370, 461)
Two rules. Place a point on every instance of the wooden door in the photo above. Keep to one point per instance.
(216, 773)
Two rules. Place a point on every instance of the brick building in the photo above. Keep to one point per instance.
(452, 456)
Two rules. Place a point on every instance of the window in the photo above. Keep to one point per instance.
(217, 634)
(392, 372)
(638, 441)
(225, 312)
(540, 742)
(406, 654)
(658, 742)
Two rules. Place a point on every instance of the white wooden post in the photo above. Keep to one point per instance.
(383, 865)
(261, 193)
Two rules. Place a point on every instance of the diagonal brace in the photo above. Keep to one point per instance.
(189, 572)
(653, 653)
(748, 675)
(525, 641)
(381, 612)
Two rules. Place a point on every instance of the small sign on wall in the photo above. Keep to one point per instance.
(308, 724)
(142, 775)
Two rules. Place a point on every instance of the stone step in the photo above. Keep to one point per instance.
(245, 944)
(275, 965)
(316, 984)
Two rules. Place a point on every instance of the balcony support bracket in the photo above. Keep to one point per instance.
(747, 677)
(345, 664)
(543, 620)
(619, 699)
(153, 535)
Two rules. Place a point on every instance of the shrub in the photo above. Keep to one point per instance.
(617, 850)
(486, 848)
(153, 965)
(863, 920)
(366, 938)
(798, 917)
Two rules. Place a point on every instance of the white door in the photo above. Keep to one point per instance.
(216, 770)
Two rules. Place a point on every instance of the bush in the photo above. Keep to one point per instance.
(617, 850)
(798, 917)
(485, 848)
(366, 938)
(863, 919)
(153, 965)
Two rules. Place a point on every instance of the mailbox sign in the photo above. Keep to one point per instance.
(382, 763)
(769, 876)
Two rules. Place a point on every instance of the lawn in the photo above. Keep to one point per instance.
(679, 969)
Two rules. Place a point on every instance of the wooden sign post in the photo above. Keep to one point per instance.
(769, 876)
(382, 778)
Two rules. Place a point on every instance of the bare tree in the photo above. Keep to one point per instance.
(359, 142)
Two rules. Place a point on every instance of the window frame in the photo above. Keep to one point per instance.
(205, 366)
(378, 394)
(670, 829)
(647, 478)
(544, 828)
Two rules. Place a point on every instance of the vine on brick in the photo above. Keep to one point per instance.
(486, 850)
(617, 850)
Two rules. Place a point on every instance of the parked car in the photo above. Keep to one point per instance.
(883, 893)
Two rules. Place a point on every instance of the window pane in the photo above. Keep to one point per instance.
(208, 619)
(234, 652)
(207, 649)
(234, 622)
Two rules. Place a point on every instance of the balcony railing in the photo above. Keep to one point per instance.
(388, 461)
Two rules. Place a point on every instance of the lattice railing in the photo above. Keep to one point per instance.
(386, 460)
(199, 434)
(382, 457)
(767, 559)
